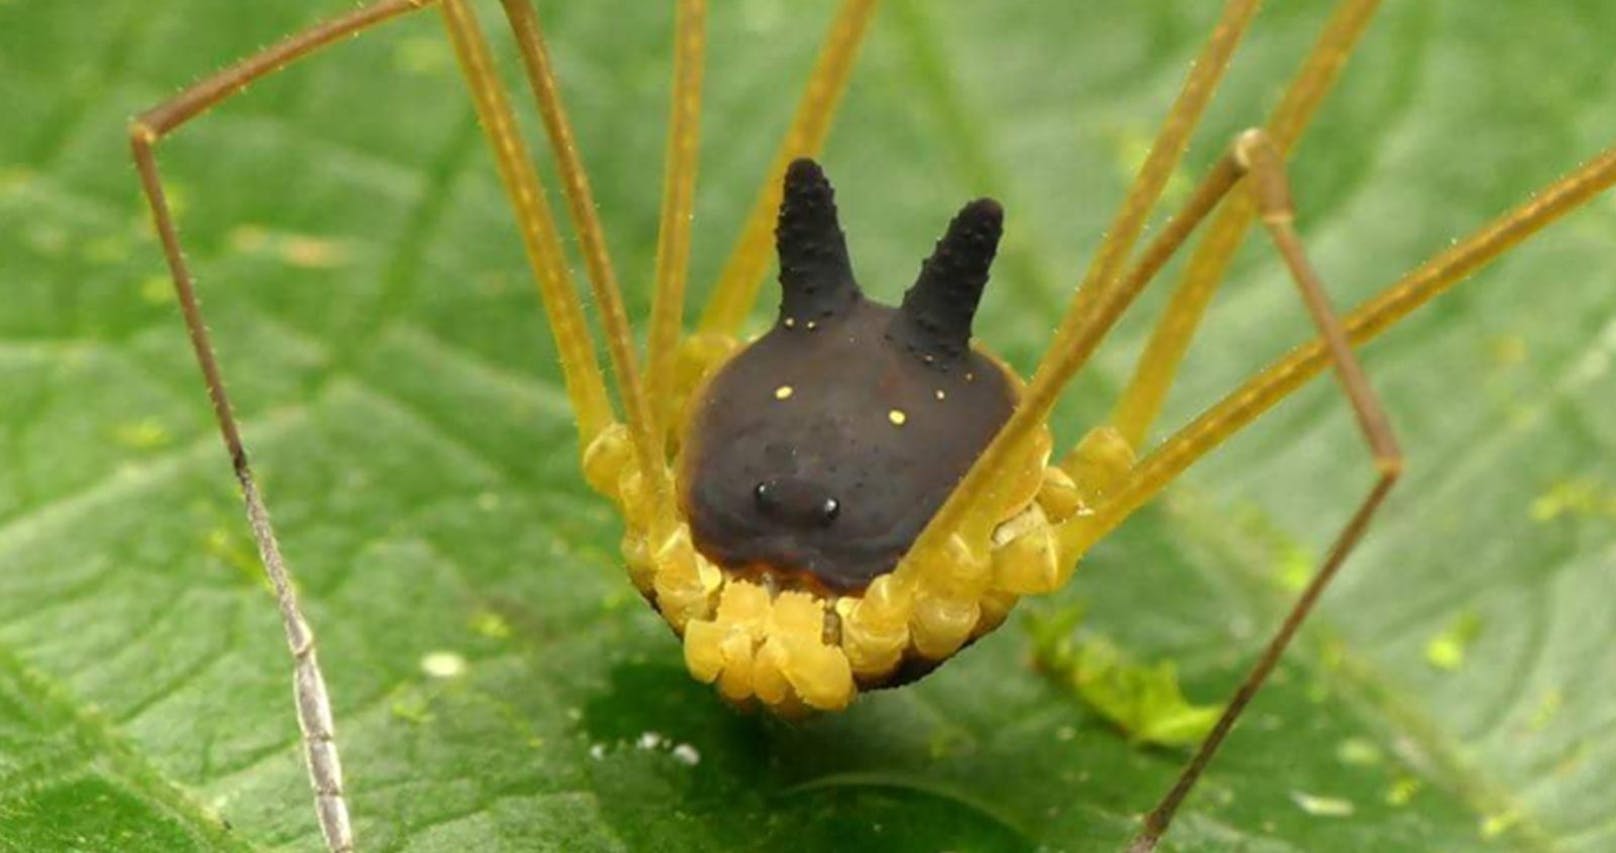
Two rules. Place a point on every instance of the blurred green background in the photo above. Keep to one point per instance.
(379, 331)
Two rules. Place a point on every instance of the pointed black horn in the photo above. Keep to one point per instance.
(816, 278)
(935, 319)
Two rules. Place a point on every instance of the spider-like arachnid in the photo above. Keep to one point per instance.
(846, 502)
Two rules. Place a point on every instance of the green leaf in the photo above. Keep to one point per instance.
(384, 348)
(1144, 701)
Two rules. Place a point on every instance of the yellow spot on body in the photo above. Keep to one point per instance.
(791, 322)
(1322, 806)
(783, 392)
(940, 394)
(443, 664)
(898, 417)
(812, 325)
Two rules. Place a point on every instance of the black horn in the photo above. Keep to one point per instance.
(816, 278)
(935, 319)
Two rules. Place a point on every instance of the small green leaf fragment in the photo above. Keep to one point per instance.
(1448, 648)
(1144, 701)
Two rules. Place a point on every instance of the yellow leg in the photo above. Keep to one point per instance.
(737, 286)
(1142, 400)
(1264, 165)
(654, 487)
(969, 509)
(581, 370)
(678, 197)
(1285, 375)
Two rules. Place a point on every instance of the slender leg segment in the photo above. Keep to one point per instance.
(678, 200)
(522, 181)
(1142, 400)
(1098, 304)
(1270, 191)
(737, 286)
(308, 684)
(1286, 374)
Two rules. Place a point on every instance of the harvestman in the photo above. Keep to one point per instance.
(797, 625)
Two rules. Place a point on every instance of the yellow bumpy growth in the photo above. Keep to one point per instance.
(797, 651)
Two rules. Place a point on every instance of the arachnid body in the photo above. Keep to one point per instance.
(849, 500)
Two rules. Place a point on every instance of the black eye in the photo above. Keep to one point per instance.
(762, 495)
(829, 510)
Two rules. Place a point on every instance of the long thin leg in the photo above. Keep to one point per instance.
(1096, 307)
(308, 684)
(678, 198)
(522, 184)
(737, 286)
(1277, 381)
(1270, 190)
(1141, 402)
(1286, 374)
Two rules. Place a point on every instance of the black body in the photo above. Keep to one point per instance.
(820, 451)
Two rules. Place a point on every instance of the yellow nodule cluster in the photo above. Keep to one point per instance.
(875, 627)
(770, 649)
(797, 651)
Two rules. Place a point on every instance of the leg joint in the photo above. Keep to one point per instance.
(1264, 167)
(141, 134)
